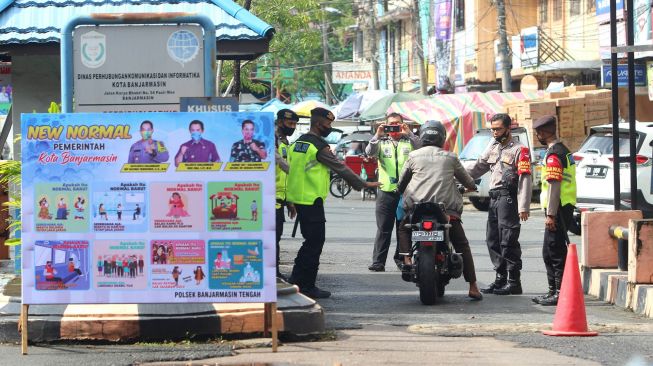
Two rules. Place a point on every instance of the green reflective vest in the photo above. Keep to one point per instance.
(391, 162)
(281, 175)
(308, 179)
(568, 184)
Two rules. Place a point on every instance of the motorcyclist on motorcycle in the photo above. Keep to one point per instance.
(428, 176)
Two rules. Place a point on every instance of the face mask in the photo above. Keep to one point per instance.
(501, 139)
(326, 132)
(196, 135)
(395, 135)
(287, 130)
(146, 135)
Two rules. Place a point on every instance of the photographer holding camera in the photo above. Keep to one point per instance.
(391, 144)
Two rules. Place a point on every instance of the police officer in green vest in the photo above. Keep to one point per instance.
(558, 198)
(286, 124)
(391, 144)
(310, 161)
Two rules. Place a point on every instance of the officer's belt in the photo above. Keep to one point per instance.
(498, 192)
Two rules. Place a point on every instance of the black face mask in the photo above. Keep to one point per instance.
(287, 130)
(501, 139)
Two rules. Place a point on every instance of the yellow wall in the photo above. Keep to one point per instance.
(578, 34)
(519, 14)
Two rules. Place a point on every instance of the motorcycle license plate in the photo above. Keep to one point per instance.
(437, 235)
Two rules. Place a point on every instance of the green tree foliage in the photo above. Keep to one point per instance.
(297, 44)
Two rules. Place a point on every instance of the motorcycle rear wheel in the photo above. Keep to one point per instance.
(427, 275)
(339, 187)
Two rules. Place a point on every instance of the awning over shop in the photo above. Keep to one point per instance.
(239, 34)
(461, 114)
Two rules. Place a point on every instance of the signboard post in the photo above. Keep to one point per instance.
(145, 207)
(124, 66)
(111, 214)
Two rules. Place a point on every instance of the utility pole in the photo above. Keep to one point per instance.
(452, 48)
(248, 4)
(371, 32)
(418, 52)
(506, 80)
(328, 88)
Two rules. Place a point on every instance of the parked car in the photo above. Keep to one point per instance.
(594, 169)
(477, 145)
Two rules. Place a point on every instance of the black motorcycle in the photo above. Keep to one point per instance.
(434, 260)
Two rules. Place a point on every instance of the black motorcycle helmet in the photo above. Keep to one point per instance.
(432, 133)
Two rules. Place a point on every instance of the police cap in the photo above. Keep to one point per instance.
(287, 114)
(544, 121)
(322, 112)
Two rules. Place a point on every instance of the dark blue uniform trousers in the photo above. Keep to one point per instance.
(312, 225)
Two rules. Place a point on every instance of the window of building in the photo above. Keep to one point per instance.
(590, 6)
(544, 11)
(574, 7)
(557, 9)
(459, 15)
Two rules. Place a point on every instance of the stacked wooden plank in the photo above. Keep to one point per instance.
(598, 108)
(577, 108)
(571, 121)
(526, 112)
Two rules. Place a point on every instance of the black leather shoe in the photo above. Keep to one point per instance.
(512, 288)
(489, 289)
(376, 267)
(499, 281)
(316, 293)
(537, 299)
(550, 301)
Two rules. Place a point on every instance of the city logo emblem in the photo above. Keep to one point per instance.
(183, 46)
(94, 49)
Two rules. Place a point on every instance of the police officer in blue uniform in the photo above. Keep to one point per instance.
(147, 150)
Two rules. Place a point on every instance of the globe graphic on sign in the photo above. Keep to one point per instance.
(183, 46)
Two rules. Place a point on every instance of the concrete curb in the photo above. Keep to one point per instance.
(611, 285)
(298, 316)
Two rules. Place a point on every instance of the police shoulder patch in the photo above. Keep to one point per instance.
(301, 147)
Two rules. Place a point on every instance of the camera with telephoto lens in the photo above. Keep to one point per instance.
(391, 128)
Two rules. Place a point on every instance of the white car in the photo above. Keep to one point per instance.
(477, 145)
(595, 174)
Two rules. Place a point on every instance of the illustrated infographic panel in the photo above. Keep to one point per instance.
(148, 208)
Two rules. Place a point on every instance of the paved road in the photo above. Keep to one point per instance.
(362, 298)
(376, 318)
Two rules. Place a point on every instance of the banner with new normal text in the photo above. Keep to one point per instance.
(148, 208)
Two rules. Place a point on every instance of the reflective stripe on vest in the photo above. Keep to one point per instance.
(281, 180)
(391, 162)
(567, 186)
(308, 179)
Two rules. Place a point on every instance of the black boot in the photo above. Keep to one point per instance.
(499, 281)
(553, 299)
(513, 287)
(552, 291)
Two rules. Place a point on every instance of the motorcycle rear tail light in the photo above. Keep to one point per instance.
(641, 159)
(439, 258)
(427, 225)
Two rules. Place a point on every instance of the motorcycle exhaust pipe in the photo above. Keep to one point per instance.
(455, 265)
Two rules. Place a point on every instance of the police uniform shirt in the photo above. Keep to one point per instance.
(202, 151)
(138, 153)
(514, 156)
(553, 175)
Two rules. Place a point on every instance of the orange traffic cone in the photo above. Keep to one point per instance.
(570, 319)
